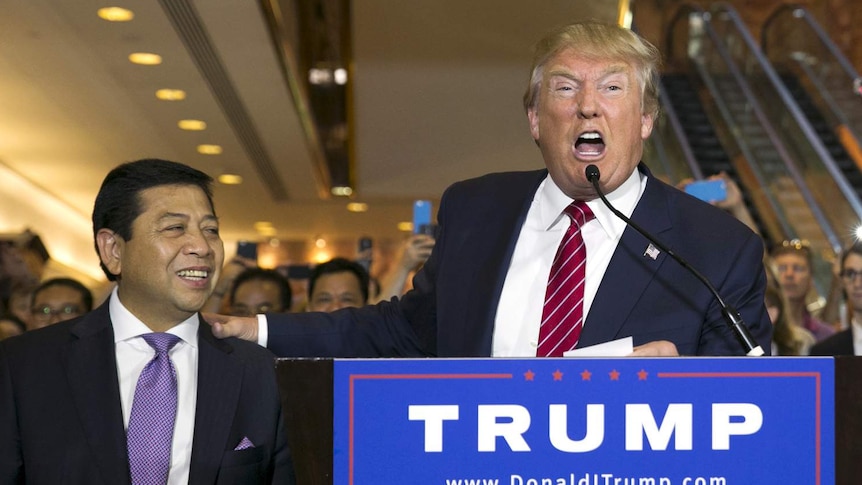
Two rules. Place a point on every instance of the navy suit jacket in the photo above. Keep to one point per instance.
(840, 343)
(61, 420)
(451, 310)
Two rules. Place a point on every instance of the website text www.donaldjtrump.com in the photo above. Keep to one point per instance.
(589, 479)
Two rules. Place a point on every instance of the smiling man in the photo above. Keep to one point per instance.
(138, 391)
(533, 264)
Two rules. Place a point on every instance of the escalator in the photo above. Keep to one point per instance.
(706, 151)
(821, 81)
(789, 175)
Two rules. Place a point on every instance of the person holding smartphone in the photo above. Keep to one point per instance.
(730, 198)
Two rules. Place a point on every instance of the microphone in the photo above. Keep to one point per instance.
(731, 316)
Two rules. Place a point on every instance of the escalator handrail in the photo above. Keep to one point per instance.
(821, 34)
(679, 133)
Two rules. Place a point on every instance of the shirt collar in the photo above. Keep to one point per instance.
(552, 201)
(127, 326)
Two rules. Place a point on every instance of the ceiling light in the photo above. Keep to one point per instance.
(192, 125)
(145, 58)
(357, 207)
(230, 179)
(405, 226)
(262, 225)
(171, 94)
(318, 76)
(267, 231)
(341, 191)
(340, 76)
(210, 149)
(115, 14)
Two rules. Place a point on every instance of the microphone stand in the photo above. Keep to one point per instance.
(730, 314)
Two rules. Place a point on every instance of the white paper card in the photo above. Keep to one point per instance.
(614, 348)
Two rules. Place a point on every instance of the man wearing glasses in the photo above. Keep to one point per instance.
(57, 300)
(849, 341)
(793, 267)
(258, 290)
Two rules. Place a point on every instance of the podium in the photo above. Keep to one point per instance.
(574, 421)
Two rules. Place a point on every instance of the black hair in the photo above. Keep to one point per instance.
(118, 203)
(340, 265)
(260, 274)
(86, 295)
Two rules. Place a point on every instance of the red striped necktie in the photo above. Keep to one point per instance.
(563, 312)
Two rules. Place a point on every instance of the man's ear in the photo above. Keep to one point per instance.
(646, 125)
(110, 246)
(533, 116)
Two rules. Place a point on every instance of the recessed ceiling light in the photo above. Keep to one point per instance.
(210, 149)
(267, 231)
(405, 226)
(115, 14)
(145, 58)
(357, 207)
(192, 125)
(262, 225)
(340, 76)
(171, 94)
(230, 179)
(341, 190)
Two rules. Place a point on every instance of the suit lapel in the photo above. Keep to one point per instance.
(499, 235)
(91, 368)
(219, 384)
(630, 270)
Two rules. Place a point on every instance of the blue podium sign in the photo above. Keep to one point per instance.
(682, 421)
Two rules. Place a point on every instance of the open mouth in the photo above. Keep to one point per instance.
(589, 144)
(193, 274)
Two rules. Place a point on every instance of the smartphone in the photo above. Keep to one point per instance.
(296, 271)
(708, 190)
(247, 249)
(364, 253)
(421, 215)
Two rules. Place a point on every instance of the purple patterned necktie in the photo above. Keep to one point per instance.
(154, 410)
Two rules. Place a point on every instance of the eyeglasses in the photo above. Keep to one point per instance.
(851, 275)
(45, 312)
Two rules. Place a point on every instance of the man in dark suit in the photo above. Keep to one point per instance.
(69, 391)
(592, 100)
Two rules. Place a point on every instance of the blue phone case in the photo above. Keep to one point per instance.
(708, 190)
(421, 215)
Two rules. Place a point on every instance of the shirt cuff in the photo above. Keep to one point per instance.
(262, 330)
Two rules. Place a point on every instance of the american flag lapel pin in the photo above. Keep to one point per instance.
(652, 252)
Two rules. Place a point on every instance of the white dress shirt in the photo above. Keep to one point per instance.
(519, 313)
(133, 354)
(856, 333)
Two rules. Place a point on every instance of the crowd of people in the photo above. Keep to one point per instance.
(525, 264)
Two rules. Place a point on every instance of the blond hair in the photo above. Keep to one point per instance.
(600, 41)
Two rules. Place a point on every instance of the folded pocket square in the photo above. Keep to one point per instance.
(244, 444)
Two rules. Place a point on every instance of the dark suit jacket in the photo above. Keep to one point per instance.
(840, 343)
(61, 420)
(451, 311)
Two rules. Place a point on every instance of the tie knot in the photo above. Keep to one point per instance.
(161, 342)
(579, 212)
